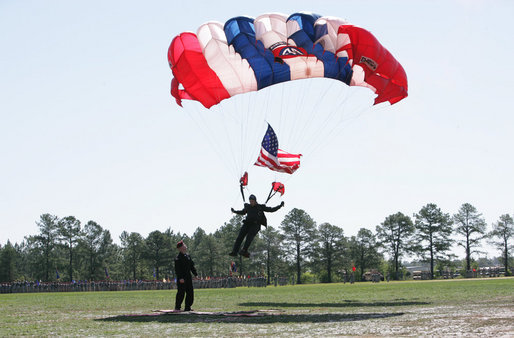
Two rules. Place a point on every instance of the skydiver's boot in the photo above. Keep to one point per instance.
(244, 253)
(233, 254)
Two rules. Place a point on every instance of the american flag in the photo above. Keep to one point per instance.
(274, 158)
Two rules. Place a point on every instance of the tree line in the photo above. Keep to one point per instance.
(67, 250)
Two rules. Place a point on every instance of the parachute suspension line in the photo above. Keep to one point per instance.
(268, 108)
(260, 125)
(231, 112)
(344, 122)
(282, 103)
(238, 109)
(260, 121)
(248, 127)
(321, 131)
(243, 113)
(298, 107)
(239, 112)
(310, 107)
(242, 128)
(230, 141)
(318, 142)
(200, 123)
(255, 114)
(292, 110)
(238, 116)
(302, 112)
(285, 102)
(307, 113)
(282, 106)
(251, 104)
(313, 113)
(218, 114)
(232, 119)
(243, 134)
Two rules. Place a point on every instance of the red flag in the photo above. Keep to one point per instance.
(276, 159)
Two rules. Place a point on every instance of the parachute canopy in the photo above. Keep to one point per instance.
(247, 54)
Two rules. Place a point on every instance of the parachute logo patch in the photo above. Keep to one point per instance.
(291, 51)
(369, 62)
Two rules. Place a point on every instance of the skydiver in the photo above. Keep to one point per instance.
(252, 224)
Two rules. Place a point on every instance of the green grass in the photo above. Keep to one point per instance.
(405, 308)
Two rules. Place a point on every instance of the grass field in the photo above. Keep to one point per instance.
(455, 307)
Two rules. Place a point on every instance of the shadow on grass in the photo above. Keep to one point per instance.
(345, 303)
(265, 319)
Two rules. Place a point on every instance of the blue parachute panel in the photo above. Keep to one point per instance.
(240, 33)
(335, 68)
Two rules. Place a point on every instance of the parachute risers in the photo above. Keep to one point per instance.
(276, 187)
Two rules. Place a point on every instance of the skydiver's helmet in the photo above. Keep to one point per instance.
(252, 197)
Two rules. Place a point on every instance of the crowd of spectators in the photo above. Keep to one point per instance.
(130, 285)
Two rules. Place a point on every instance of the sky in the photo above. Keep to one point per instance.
(88, 127)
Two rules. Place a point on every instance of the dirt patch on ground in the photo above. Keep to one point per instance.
(438, 321)
(458, 320)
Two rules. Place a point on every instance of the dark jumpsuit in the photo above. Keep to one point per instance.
(252, 224)
(184, 265)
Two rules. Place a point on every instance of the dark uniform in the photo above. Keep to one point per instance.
(252, 224)
(184, 265)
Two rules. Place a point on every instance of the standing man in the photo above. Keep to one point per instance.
(252, 224)
(184, 266)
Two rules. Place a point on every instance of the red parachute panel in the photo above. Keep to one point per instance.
(191, 70)
(382, 70)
